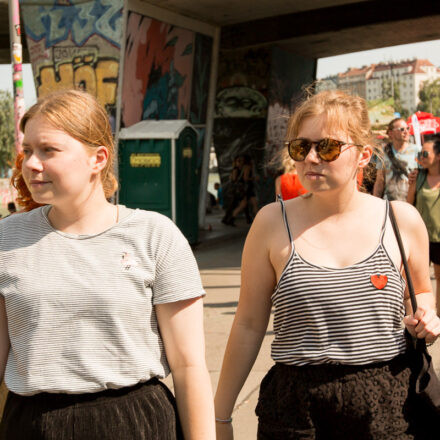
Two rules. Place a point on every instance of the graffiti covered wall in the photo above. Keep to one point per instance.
(241, 111)
(75, 44)
(290, 75)
(166, 72)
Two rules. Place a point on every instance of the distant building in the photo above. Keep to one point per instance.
(370, 82)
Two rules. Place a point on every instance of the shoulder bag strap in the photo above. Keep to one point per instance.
(420, 343)
(404, 260)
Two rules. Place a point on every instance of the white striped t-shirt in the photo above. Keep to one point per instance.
(80, 308)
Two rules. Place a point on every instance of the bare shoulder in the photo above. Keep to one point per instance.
(406, 214)
(409, 221)
(267, 215)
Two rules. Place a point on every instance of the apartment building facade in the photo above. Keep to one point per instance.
(371, 82)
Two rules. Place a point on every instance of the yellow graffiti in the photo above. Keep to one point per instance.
(99, 79)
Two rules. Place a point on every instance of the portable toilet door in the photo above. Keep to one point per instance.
(158, 171)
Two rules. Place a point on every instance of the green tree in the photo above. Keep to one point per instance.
(429, 96)
(6, 132)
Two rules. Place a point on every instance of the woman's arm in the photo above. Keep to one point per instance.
(412, 179)
(424, 323)
(4, 338)
(181, 328)
(250, 322)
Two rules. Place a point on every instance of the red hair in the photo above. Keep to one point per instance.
(78, 114)
(24, 198)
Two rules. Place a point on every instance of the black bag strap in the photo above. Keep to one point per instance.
(398, 165)
(421, 343)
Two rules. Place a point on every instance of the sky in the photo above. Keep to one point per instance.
(30, 95)
(326, 66)
(429, 50)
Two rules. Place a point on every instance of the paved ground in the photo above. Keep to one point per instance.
(220, 269)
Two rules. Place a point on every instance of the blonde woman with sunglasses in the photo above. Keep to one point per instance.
(329, 265)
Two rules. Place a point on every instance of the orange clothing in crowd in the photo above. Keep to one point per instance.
(291, 186)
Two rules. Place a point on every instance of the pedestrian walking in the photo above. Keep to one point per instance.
(288, 184)
(98, 301)
(424, 193)
(399, 160)
(329, 264)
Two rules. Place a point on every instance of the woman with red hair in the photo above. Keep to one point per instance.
(97, 301)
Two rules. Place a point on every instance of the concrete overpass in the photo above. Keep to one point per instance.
(233, 68)
(314, 28)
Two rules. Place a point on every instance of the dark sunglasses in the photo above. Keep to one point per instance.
(424, 154)
(327, 149)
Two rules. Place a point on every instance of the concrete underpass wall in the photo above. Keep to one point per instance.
(257, 91)
(241, 109)
(166, 73)
(75, 46)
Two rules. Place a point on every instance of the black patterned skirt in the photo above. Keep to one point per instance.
(320, 402)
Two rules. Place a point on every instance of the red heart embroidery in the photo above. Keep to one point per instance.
(379, 281)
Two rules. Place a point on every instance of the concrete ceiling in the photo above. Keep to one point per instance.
(314, 28)
(226, 12)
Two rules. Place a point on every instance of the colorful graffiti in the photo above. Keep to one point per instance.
(236, 136)
(157, 70)
(289, 74)
(75, 45)
(243, 81)
(84, 70)
(76, 20)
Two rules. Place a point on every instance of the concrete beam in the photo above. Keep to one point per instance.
(363, 17)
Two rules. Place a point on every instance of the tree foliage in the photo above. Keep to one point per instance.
(6, 132)
(429, 96)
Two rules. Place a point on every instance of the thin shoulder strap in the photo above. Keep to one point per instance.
(404, 260)
(286, 223)
(382, 232)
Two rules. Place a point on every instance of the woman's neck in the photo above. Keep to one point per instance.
(334, 203)
(91, 216)
(434, 169)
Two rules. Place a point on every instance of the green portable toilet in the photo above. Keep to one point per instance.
(158, 171)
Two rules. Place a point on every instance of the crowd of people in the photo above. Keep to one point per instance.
(98, 302)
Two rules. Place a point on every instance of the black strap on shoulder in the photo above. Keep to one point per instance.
(286, 223)
(404, 260)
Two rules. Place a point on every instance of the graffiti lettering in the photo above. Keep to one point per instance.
(64, 53)
(55, 22)
(98, 78)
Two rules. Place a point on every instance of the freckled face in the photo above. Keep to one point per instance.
(317, 175)
(57, 168)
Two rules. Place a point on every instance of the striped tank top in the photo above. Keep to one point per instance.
(337, 316)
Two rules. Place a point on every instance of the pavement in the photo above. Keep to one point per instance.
(219, 259)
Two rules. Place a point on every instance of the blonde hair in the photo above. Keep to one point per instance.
(343, 112)
(78, 114)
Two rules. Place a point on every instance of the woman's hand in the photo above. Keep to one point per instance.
(412, 177)
(224, 431)
(424, 324)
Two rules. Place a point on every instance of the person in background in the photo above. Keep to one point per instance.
(424, 193)
(328, 265)
(219, 190)
(12, 208)
(97, 301)
(287, 184)
(399, 160)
